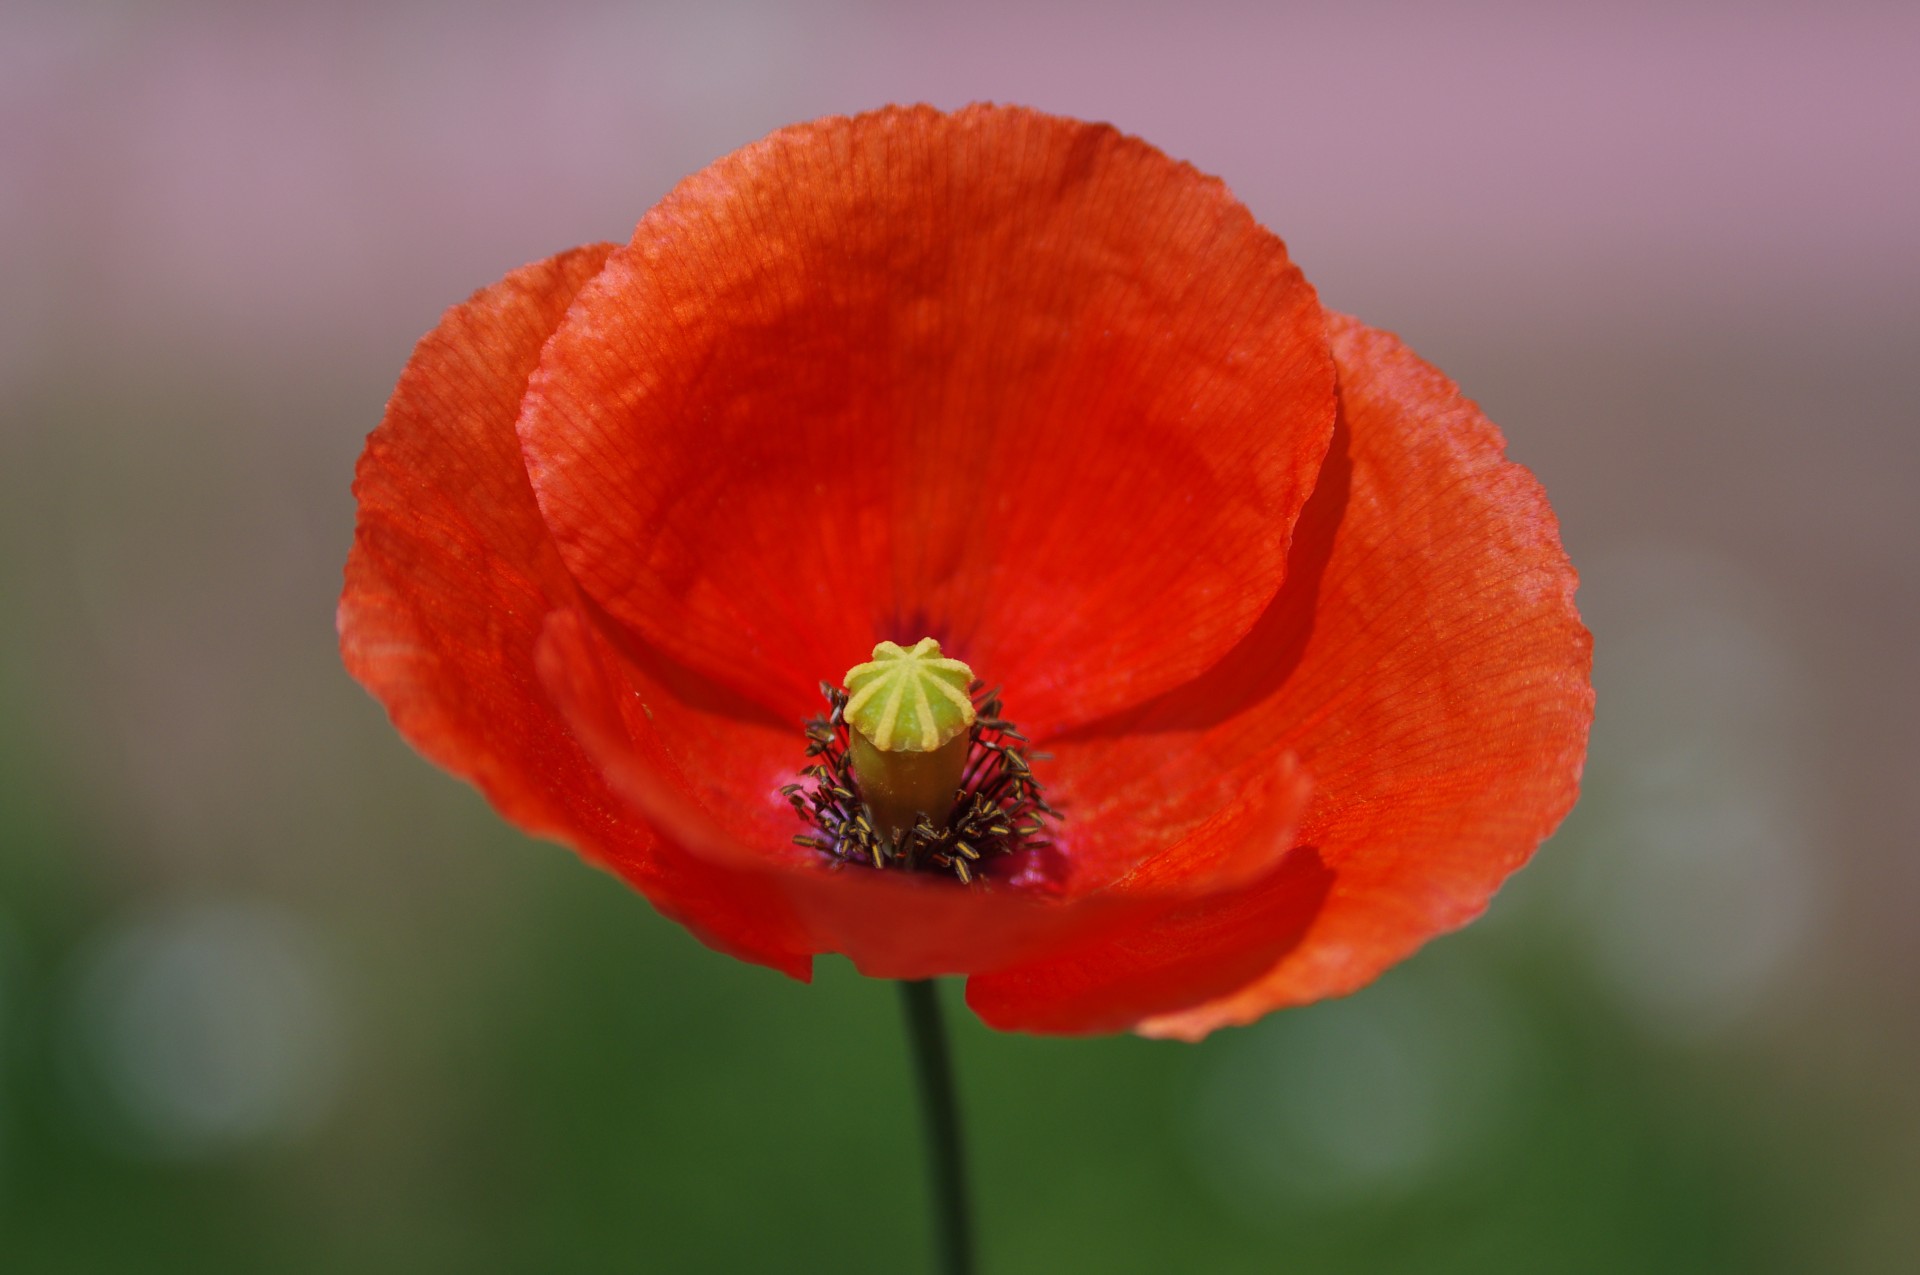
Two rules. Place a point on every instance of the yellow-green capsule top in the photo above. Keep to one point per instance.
(910, 700)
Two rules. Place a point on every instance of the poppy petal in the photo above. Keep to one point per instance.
(451, 576)
(1121, 827)
(1019, 383)
(890, 924)
(1190, 949)
(1425, 661)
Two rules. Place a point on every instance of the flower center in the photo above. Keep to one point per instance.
(914, 767)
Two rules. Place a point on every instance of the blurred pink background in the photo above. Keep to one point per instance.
(1673, 250)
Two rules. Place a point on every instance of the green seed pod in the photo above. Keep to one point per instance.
(909, 711)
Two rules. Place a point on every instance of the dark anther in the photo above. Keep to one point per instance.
(997, 810)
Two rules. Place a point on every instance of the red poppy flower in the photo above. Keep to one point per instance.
(1300, 641)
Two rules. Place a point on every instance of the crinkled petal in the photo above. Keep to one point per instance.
(451, 576)
(1426, 663)
(1188, 950)
(1019, 383)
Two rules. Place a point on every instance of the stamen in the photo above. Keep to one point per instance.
(996, 807)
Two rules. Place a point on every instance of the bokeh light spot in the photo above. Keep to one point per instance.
(206, 1026)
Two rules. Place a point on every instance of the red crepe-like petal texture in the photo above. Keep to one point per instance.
(1122, 821)
(1183, 952)
(1017, 382)
(892, 924)
(452, 574)
(1425, 661)
(1182, 956)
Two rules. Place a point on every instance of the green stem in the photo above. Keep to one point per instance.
(940, 1115)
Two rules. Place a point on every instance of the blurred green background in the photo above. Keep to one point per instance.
(277, 995)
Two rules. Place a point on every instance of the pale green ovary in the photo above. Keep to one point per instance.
(909, 700)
